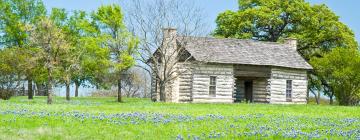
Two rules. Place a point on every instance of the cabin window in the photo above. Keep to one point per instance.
(288, 90)
(212, 86)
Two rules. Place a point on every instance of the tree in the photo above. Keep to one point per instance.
(52, 46)
(10, 77)
(15, 17)
(147, 21)
(316, 28)
(121, 43)
(87, 38)
(68, 63)
(87, 57)
(135, 83)
(94, 64)
(316, 88)
(340, 67)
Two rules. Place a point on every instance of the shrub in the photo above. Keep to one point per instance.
(6, 94)
(104, 93)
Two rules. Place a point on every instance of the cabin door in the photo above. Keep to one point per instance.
(249, 91)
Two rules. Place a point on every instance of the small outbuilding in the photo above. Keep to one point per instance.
(222, 70)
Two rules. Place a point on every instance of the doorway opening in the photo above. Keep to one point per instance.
(248, 91)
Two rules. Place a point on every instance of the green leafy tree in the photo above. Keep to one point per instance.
(52, 46)
(340, 67)
(93, 59)
(10, 77)
(79, 28)
(94, 64)
(70, 62)
(121, 43)
(316, 27)
(16, 16)
(88, 58)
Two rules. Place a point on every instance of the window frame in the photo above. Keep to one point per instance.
(289, 90)
(212, 86)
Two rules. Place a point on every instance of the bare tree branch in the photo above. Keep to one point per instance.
(158, 55)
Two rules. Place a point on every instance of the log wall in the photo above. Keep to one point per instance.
(269, 84)
(224, 83)
(154, 89)
(185, 82)
(239, 90)
(251, 71)
(278, 85)
(261, 92)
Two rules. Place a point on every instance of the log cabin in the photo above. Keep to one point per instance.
(223, 70)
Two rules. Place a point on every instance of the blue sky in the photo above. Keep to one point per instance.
(348, 10)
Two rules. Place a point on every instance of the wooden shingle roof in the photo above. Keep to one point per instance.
(239, 51)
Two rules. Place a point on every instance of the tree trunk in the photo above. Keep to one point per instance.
(331, 99)
(46, 90)
(162, 91)
(77, 89)
(39, 87)
(146, 88)
(30, 89)
(119, 91)
(152, 96)
(317, 97)
(49, 86)
(67, 91)
(145, 93)
(307, 95)
(49, 100)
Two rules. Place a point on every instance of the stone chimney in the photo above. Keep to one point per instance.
(292, 42)
(169, 35)
(170, 53)
(169, 41)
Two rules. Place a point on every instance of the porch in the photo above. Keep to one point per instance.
(251, 83)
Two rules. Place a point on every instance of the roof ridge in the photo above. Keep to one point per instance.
(233, 39)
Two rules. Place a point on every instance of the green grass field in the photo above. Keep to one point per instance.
(103, 118)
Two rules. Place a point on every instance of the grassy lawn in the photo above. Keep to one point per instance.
(103, 118)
